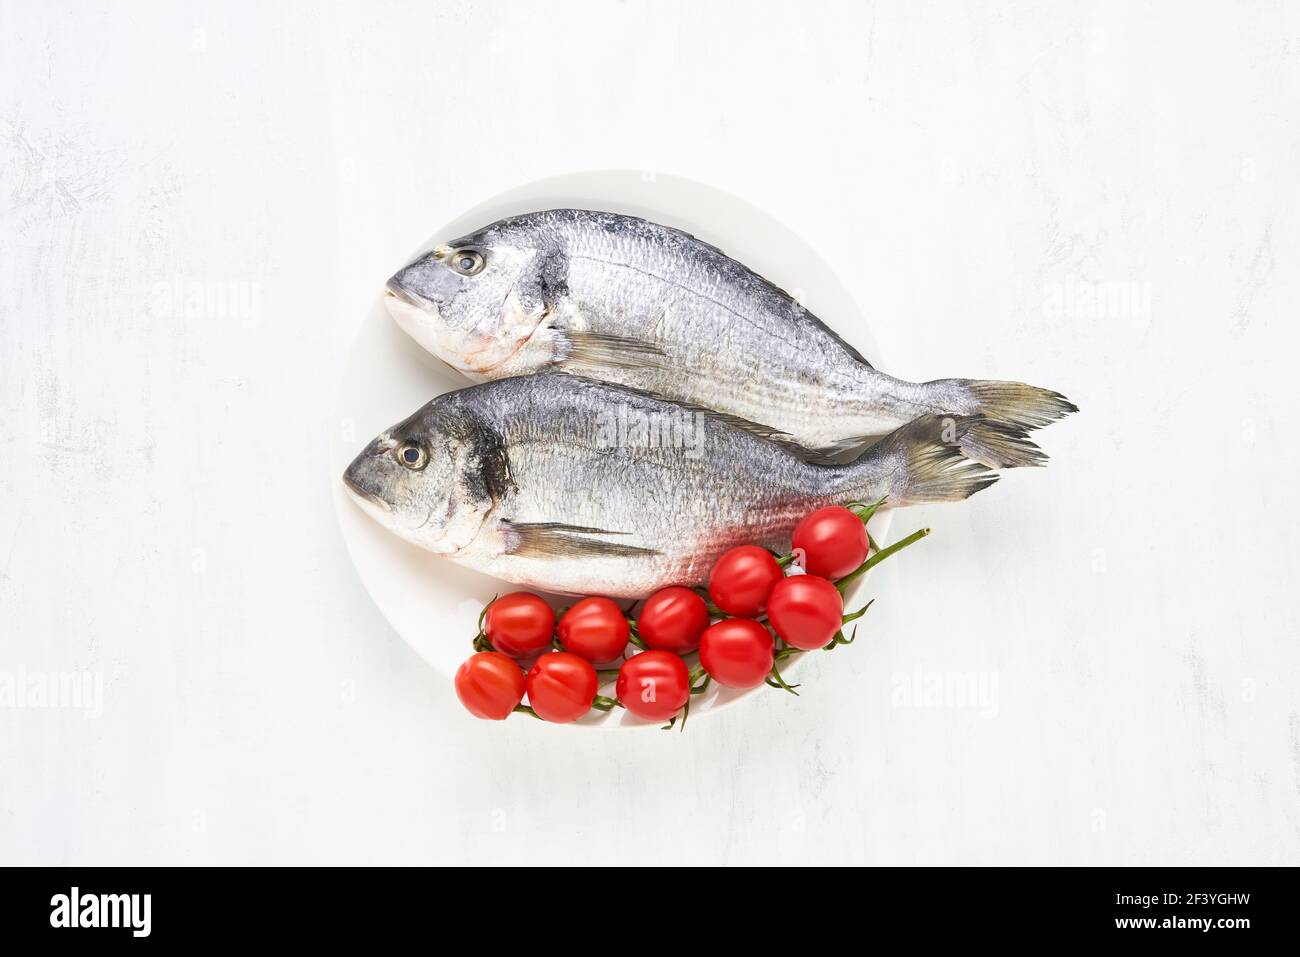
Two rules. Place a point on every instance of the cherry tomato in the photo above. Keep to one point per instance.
(561, 687)
(833, 540)
(654, 685)
(595, 629)
(737, 652)
(673, 620)
(489, 685)
(519, 624)
(742, 579)
(806, 611)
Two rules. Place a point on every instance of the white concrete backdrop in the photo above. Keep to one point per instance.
(1100, 197)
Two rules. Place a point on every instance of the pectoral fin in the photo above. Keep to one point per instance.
(557, 540)
(600, 350)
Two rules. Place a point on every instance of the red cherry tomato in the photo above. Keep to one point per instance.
(742, 579)
(806, 611)
(519, 624)
(654, 685)
(561, 687)
(673, 620)
(833, 540)
(596, 629)
(737, 652)
(489, 685)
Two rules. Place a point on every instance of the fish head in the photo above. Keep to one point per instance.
(426, 479)
(475, 301)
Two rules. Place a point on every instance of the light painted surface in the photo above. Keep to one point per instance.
(199, 201)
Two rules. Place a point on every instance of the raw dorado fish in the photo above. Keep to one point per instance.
(623, 300)
(569, 485)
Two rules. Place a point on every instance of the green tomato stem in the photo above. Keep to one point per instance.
(855, 615)
(776, 680)
(879, 557)
(864, 510)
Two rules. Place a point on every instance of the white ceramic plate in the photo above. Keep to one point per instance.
(433, 603)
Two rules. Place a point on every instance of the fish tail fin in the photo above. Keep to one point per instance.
(928, 460)
(994, 444)
(1013, 403)
(998, 445)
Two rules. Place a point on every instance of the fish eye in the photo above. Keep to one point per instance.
(412, 456)
(467, 262)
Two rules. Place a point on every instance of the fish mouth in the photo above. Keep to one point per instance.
(393, 290)
(364, 498)
(419, 319)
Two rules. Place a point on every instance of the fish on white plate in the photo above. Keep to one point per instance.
(569, 485)
(626, 301)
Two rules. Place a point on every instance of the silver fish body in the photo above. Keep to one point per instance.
(569, 485)
(627, 301)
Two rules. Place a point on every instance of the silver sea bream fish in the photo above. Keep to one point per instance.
(627, 301)
(570, 485)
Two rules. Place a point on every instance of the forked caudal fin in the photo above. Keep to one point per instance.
(1015, 403)
(928, 460)
(996, 445)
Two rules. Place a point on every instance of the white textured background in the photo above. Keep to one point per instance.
(1102, 198)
